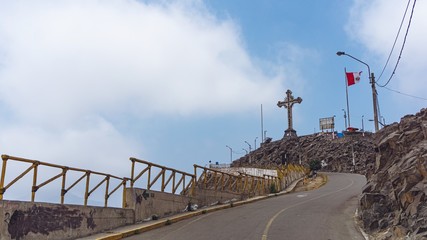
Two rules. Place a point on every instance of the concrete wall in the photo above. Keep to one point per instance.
(26, 220)
(147, 203)
(206, 197)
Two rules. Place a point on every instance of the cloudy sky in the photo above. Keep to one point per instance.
(89, 83)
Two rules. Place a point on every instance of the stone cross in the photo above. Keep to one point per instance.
(288, 103)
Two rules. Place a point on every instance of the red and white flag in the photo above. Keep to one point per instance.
(352, 77)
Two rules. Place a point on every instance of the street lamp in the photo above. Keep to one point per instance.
(345, 118)
(371, 120)
(363, 127)
(245, 150)
(255, 143)
(231, 153)
(250, 147)
(374, 91)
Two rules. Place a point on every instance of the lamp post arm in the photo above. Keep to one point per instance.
(369, 69)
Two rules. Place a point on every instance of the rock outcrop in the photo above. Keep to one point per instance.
(335, 153)
(393, 204)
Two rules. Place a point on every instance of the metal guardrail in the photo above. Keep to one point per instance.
(176, 181)
(64, 170)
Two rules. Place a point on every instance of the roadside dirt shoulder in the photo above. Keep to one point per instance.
(311, 183)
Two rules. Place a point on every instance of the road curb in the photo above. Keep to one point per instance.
(167, 221)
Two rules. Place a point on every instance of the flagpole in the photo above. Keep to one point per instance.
(346, 94)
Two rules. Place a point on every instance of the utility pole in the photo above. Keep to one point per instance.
(374, 97)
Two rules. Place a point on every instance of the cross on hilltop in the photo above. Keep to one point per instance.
(289, 103)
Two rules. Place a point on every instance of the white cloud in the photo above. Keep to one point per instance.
(70, 58)
(375, 23)
(91, 144)
(70, 70)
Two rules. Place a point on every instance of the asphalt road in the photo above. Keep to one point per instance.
(325, 213)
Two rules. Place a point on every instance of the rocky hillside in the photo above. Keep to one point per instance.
(393, 203)
(336, 153)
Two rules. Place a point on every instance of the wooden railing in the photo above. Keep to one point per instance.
(289, 173)
(176, 178)
(168, 179)
(86, 174)
(243, 183)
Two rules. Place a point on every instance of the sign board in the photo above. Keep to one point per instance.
(327, 123)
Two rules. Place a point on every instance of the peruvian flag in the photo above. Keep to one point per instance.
(352, 77)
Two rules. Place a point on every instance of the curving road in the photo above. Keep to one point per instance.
(325, 213)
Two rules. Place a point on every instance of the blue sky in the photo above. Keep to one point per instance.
(90, 83)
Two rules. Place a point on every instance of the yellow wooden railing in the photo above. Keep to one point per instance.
(170, 179)
(176, 178)
(86, 174)
(214, 179)
(289, 173)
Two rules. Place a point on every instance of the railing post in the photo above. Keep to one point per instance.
(183, 183)
(87, 187)
(261, 186)
(163, 178)
(3, 175)
(124, 205)
(215, 181)
(34, 188)
(250, 183)
(132, 172)
(205, 178)
(222, 181)
(149, 177)
(231, 179)
(63, 191)
(194, 181)
(107, 184)
(264, 184)
(245, 184)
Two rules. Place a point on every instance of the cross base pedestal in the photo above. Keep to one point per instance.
(290, 133)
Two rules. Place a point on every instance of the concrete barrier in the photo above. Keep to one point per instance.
(27, 220)
(148, 203)
(207, 197)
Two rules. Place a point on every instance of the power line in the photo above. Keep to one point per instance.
(403, 45)
(395, 40)
(409, 95)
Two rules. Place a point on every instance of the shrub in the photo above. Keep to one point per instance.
(315, 165)
(273, 188)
